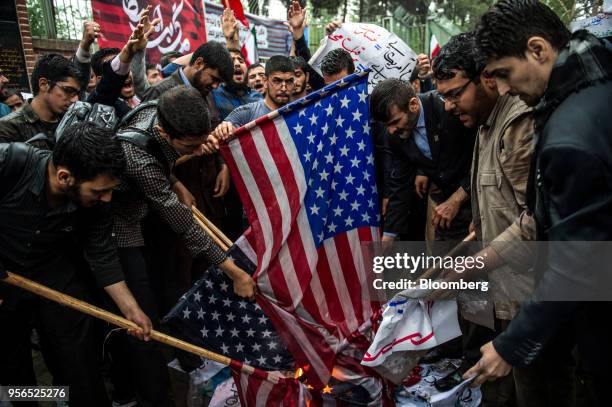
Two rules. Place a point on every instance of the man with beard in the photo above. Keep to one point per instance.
(256, 75)
(279, 85)
(153, 137)
(568, 78)
(209, 65)
(302, 76)
(54, 208)
(235, 93)
(431, 155)
(500, 169)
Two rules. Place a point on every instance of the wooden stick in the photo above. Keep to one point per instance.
(432, 272)
(211, 226)
(86, 308)
(209, 232)
(183, 159)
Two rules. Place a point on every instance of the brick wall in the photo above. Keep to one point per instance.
(26, 35)
(44, 46)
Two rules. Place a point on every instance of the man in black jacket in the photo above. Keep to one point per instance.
(568, 78)
(53, 207)
(428, 145)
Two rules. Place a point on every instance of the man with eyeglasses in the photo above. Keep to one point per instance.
(500, 170)
(431, 155)
(55, 84)
(279, 84)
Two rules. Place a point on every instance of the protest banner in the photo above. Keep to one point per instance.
(184, 25)
(272, 35)
(373, 47)
(599, 25)
(181, 27)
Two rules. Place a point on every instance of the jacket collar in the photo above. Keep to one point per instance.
(170, 154)
(506, 108)
(583, 62)
(29, 114)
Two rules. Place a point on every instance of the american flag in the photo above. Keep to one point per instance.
(258, 388)
(305, 174)
(212, 316)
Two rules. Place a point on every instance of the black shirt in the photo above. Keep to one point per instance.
(36, 241)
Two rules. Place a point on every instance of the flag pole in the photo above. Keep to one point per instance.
(432, 272)
(210, 233)
(96, 312)
(211, 226)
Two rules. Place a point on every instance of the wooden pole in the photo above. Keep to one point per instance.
(209, 232)
(211, 226)
(432, 272)
(86, 308)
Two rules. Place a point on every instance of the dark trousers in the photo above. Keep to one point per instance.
(67, 343)
(138, 365)
(548, 382)
(594, 350)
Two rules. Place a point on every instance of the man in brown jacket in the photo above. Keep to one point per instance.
(500, 169)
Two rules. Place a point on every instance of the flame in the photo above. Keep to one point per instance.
(299, 372)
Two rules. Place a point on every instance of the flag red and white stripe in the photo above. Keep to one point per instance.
(315, 293)
(434, 47)
(262, 389)
(248, 46)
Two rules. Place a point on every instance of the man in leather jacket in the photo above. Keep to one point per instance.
(568, 78)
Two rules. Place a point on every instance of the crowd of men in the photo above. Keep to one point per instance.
(504, 133)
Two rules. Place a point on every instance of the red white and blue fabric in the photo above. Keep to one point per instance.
(305, 175)
(248, 45)
(261, 388)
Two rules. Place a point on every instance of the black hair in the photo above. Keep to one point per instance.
(253, 66)
(505, 29)
(414, 75)
(460, 53)
(279, 63)
(88, 150)
(148, 67)
(388, 93)
(97, 59)
(183, 112)
(337, 60)
(53, 67)
(11, 92)
(215, 56)
(165, 58)
(300, 63)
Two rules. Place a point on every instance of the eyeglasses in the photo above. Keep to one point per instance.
(278, 83)
(454, 95)
(68, 90)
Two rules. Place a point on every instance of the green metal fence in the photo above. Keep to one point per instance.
(58, 19)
